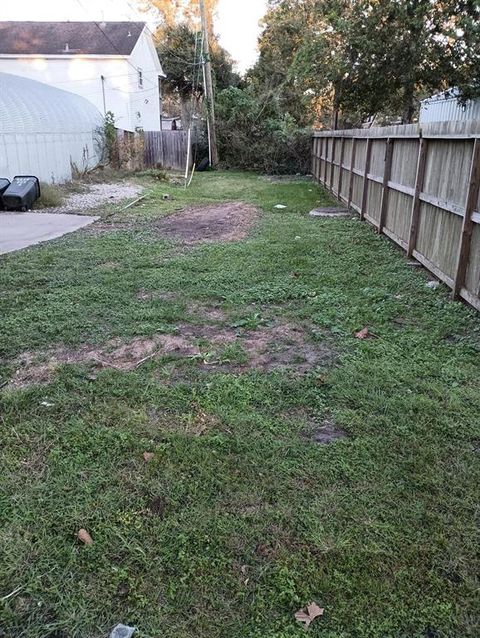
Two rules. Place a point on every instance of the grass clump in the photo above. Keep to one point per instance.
(51, 196)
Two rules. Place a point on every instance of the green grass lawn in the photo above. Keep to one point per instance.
(240, 519)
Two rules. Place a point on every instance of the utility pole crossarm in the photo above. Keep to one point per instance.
(209, 94)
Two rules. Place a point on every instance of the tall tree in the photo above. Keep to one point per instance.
(366, 56)
(179, 48)
(182, 11)
(284, 28)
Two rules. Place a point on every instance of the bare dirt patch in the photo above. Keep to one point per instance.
(196, 423)
(314, 429)
(215, 223)
(157, 506)
(211, 346)
(323, 431)
(206, 312)
(327, 432)
(284, 345)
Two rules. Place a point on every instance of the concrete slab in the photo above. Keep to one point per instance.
(329, 212)
(19, 230)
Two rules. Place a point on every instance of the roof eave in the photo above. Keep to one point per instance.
(62, 56)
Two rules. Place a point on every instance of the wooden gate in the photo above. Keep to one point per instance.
(166, 149)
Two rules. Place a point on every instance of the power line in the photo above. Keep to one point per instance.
(108, 77)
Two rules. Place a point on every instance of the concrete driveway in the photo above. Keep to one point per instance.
(19, 230)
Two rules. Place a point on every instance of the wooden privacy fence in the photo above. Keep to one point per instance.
(167, 149)
(417, 185)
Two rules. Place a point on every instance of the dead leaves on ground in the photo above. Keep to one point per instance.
(363, 334)
(308, 614)
(148, 456)
(84, 537)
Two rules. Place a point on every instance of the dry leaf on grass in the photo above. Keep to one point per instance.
(148, 456)
(308, 614)
(84, 536)
(363, 334)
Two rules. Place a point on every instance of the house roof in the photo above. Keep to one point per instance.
(69, 38)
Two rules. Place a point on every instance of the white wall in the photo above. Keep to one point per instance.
(146, 100)
(441, 109)
(49, 157)
(45, 131)
(82, 75)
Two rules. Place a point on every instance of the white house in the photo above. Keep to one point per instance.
(114, 65)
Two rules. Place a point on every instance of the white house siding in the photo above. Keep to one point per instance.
(145, 101)
(83, 75)
(442, 109)
(45, 131)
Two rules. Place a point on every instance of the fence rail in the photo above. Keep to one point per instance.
(417, 185)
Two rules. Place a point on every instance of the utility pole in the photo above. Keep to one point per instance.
(210, 98)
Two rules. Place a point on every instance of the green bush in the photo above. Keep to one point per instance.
(253, 134)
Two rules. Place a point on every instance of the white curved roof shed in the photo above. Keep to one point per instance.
(45, 131)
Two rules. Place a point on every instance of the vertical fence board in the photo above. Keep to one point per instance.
(368, 156)
(422, 157)
(340, 168)
(467, 226)
(352, 166)
(386, 177)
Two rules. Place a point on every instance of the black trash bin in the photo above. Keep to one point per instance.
(22, 193)
(4, 184)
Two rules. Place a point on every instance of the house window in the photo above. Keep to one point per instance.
(140, 79)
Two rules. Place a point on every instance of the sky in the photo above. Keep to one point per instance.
(236, 24)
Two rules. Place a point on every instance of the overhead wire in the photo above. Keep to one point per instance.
(109, 77)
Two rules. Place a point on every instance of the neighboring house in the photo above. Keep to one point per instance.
(445, 107)
(45, 131)
(171, 123)
(114, 65)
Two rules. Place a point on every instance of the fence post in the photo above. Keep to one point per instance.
(419, 179)
(467, 226)
(365, 178)
(340, 169)
(332, 167)
(312, 156)
(352, 166)
(387, 171)
(325, 168)
(318, 164)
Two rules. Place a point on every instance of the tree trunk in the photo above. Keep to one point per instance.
(335, 120)
(336, 108)
(408, 104)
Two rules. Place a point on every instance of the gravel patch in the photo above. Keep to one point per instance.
(97, 195)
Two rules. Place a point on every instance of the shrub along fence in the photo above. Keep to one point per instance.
(419, 185)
